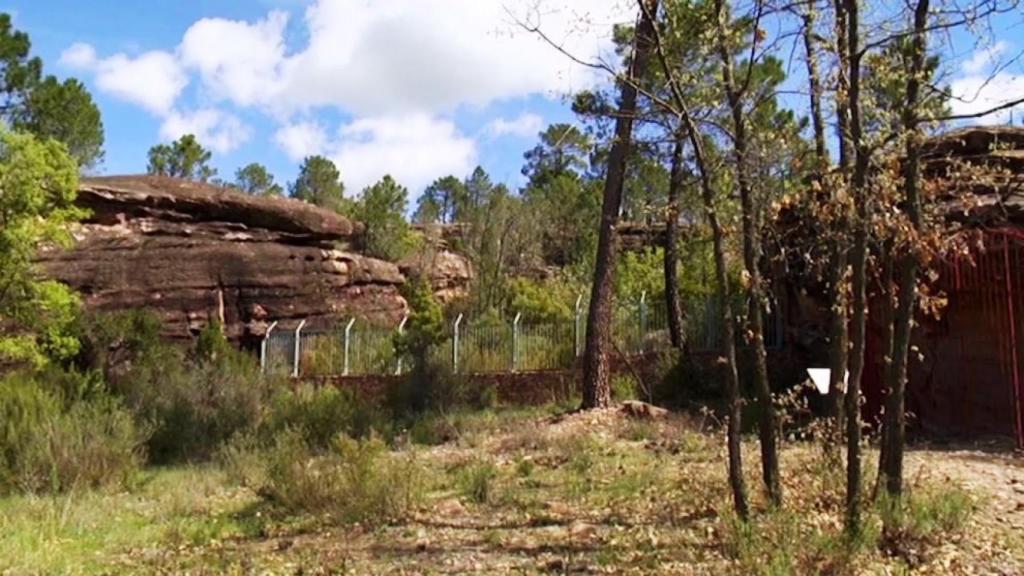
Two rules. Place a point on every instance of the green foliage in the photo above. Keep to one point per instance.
(255, 179)
(624, 388)
(47, 446)
(565, 209)
(538, 301)
(65, 112)
(194, 408)
(19, 71)
(382, 209)
(211, 345)
(192, 400)
(563, 150)
(425, 328)
(39, 182)
(358, 482)
(24, 408)
(923, 516)
(319, 182)
(111, 341)
(320, 415)
(441, 201)
(476, 481)
(184, 158)
(640, 272)
(92, 444)
(46, 107)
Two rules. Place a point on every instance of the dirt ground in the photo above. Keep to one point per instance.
(602, 493)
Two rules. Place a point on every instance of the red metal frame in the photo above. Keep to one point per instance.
(971, 380)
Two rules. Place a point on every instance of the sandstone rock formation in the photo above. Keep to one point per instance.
(192, 253)
(449, 272)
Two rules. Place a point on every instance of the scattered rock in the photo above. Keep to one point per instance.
(643, 410)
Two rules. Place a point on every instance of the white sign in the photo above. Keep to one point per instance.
(822, 376)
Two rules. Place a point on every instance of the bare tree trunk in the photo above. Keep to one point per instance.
(859, 264)
(673, 306)
(728, 345)
(769, 422)
(887, 319)
(596, 385)
(838, 336)
(908, 265)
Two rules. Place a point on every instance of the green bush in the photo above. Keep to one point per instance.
(25, 407)
(94, 443)
(321, 414)
(624, 388)
(924, 515)
(359, 481)
(196, 408)
(475, 481)
(47, 447)
(192, 405)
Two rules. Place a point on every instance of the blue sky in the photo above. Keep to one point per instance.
(415, 88)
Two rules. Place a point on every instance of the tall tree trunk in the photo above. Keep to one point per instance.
(858, 262)
(728, 344)
(888, 294)
(734, 402)
(769, 422)
(907, 267)
(673, 306)
(838, 336)
(596, 384)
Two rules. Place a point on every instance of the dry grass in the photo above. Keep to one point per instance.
(525, 492)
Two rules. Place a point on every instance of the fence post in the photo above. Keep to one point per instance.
(348, 332)
(515, 341)
(643, 320)
(263, 347)
(455, 345)
(401, 330)
(298, 349)
(576, 326)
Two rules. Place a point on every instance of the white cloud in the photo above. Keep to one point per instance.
(977, 93)
(301, 139)
(214, 129)
(981, 88)
(401, 56)
(79, 56)
(152, 80)
(984, 58)
(414, 149)
(400, 69)
(237, 60)
(525, 125)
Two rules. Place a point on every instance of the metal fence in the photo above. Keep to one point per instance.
(356, 347)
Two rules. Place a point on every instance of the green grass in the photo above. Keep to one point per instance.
(88, 532)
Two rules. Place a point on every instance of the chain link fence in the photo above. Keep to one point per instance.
(488, 345)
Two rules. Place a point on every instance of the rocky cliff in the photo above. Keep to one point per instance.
(192, 253)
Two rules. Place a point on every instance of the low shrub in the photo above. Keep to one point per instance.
(194, 411)
(193, 405)
(475, 481)
(25, 407)
(624, 388)
(922, 517)
(46, 446)
(359, 481)
(319, 414)
(94, 443)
